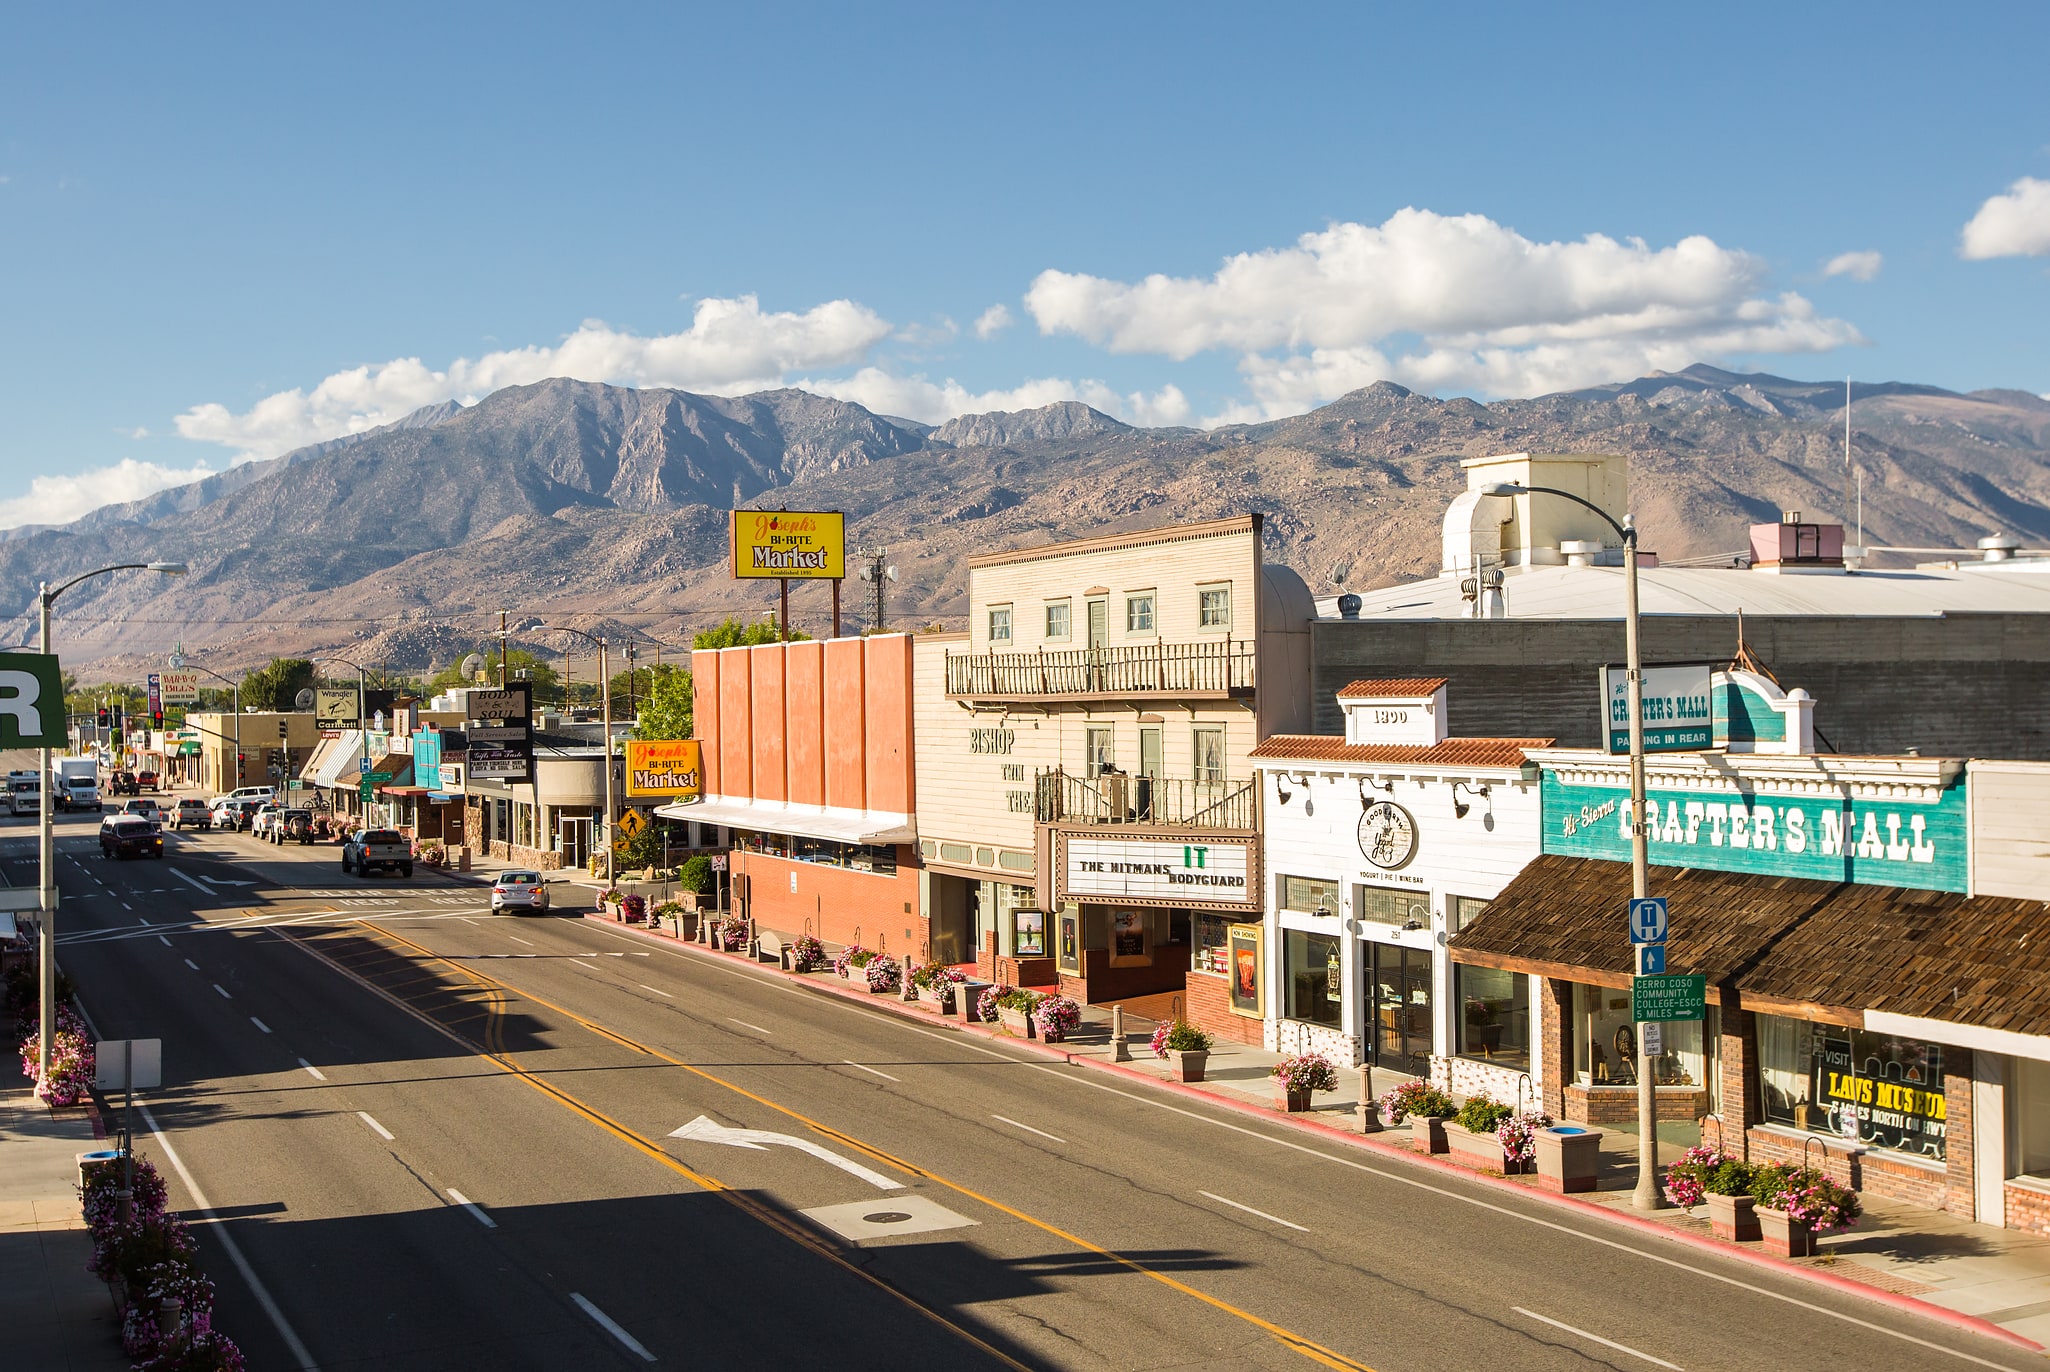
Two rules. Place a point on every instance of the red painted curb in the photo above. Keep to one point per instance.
(1940, 1314)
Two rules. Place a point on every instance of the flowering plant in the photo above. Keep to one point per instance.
(198, 1347)
(71, 1059)
(668, 909)
(1056, 1016)
(1400, 1102)
(853, 955)
(1306, 1072)
(1687, 1180)
(1519, 1135)
(882, 972)
(612, 895)
(1482, 1114)
(807, 953)
(633, 909)
(986, 1003)
(1807, 1195)
(1179, 1036)
(733, 932)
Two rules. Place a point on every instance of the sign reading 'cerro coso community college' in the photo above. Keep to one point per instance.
(1157, 870)
(1869, 842)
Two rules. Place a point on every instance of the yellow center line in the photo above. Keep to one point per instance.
(1310, 1349)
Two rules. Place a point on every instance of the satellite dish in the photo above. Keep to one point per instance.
(472, 665)
(304, 700)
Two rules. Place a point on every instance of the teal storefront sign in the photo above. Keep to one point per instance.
(427, 757)
(1869, 842)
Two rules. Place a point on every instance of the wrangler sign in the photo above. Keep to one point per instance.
(664, 767)
(31, 702)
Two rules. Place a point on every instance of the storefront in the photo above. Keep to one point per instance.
(1380, 843)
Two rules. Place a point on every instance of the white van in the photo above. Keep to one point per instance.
(25, 795)
(247, 793)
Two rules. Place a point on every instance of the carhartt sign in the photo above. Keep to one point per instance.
(31, 702)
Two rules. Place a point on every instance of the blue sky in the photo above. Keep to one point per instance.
(226, 233)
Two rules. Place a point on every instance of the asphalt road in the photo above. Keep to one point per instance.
(444, 1139)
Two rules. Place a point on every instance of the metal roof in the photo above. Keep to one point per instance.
(1597, 593)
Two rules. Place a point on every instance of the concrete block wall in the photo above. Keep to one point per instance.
(2028, 1207)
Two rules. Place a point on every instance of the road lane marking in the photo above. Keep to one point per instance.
(745, 1025)
(610, 1326)
(657, 990)
(1286, 1224)
(476, 1210)
(517, 939)
(203, 889)
(223, 990)
(382, 1132)
(1006, 1119)
(190, 963)
(1596, 1338)
(261, 1026)
(143, 918)
(705, 1129)
(316, 1073)
(161, 939)
(864, 1067)
(467, 920)
(126, 906)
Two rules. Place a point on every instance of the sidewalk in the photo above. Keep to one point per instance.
(1956, 1270)
(56, 1314)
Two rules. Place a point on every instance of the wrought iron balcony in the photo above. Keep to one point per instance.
(1214, 671)
(1116, 798)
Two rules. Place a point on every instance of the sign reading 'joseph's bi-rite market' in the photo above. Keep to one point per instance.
(793, 544)
(664, 767)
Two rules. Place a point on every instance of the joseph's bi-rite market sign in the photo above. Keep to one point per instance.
(1823, 838)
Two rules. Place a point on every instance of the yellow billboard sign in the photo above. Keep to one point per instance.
(790, 543)
(664, 767)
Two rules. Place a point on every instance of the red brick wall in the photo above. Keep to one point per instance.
(1208, 1007)
(2028, 1209)
(836, 904)
(1958, 1133)
(1737, 1056)
(1875, 1170)
(1028, 972)
(1618, 1104)
(1555, 1066)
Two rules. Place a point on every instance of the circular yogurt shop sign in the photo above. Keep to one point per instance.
(1387, 835)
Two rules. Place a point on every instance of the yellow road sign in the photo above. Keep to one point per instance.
(631, 823)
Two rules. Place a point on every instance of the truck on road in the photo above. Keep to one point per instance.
(75, 783)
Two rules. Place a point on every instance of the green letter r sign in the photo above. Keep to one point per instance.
(31, 702)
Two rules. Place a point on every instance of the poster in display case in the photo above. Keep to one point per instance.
(1068, 954)
(1028, 933)
(1131, 939)
(1245, 948)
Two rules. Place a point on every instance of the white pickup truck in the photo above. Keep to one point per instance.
(371, 849)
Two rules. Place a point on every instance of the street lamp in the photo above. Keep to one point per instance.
(1646, 1196)
(362, 730)
(46, 833)
(183, 663)
(605, 680)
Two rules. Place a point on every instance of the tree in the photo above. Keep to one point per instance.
(538, 671)
(276, 685)
(666, 708)
(734, 634)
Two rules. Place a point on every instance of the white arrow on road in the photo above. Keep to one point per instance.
(225, 881)
(705, 1129)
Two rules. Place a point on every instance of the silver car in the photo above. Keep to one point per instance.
(518, 891)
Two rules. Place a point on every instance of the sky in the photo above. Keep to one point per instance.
(226, 231)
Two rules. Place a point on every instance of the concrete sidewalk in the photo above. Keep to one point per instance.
(56, 1315)
(1898, 1252)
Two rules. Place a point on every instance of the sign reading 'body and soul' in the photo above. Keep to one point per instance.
(1831, 837)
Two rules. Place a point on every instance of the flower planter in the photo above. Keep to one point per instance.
(1733, 1217)
(1019, 1022)
(1568, 1158)
(1784, 1236)
(1427, 1132)
(1468, 1149)
(1292, 1099)
(965, 995)
(939, 1000)
(1187, 1064)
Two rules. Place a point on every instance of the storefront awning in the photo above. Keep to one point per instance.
(340, 765)
(808, 821)
(1822, 950)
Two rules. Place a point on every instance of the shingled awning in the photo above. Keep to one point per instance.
(1841, 954)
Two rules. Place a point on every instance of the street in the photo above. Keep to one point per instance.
(442, 1138)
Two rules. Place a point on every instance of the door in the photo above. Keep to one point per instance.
(576, 839)
(1099, 634)
(1399, 1010)
(1150, 767)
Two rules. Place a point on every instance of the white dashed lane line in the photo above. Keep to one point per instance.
(476, 1210)
(261, 1026)
(381, 1131)
(313, 1071)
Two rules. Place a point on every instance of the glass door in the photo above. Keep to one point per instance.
(1400, 1007)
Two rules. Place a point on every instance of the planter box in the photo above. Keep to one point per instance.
(939, 1000)
(1018, 1022)
(1428, 1134)
(1482, 1151)
(1291, 1100)
(1783, 1237)
(1733, 1217)
(1568, 1158)
(1187, 1064)
(966, 993)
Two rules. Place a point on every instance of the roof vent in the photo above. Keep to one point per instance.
(1790, 516)
(1998, 547)
(1580, 552)
(1348, 606)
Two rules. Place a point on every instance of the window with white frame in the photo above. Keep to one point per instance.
(1213, 607)
(1058, 614)
(1307, 894)
(1208, 747)
(999, 624)
(1139, 613)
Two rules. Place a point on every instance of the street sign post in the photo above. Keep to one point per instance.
(363, 765)
(631, 822)
(1664, 999)
(1651, 959)
(1647, 919)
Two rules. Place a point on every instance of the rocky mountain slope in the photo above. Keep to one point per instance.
(580, 503)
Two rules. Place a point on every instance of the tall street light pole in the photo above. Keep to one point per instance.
(182, 663)
(1646, 1195)
(46, 831)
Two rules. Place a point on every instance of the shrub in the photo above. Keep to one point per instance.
(1687, 1180)
(986, 1004)
(668, 909)
(1306, 1072)
(1482, 1115)
(882, 972)
(1179, 1036)
(1519, 1134)
(807, 953)
(1018, 998)
(696, 875)
(1056, 1017)
(1807, 1195)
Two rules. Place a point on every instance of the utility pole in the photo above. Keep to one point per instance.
(502, 615)
(875, 571)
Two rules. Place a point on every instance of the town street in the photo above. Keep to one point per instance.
(441, 1138)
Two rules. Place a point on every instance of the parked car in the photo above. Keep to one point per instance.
(124, 836)
(146, 807)
(371, 849)
(518, 891)
(259, 824)
(124, 784)
(192, 814)
(235, 814)
(146, 780)
(291, 824)
(248, 793)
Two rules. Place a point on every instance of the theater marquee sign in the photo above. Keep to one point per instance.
(1158, 871)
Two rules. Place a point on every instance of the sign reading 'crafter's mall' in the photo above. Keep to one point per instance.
(791, 544)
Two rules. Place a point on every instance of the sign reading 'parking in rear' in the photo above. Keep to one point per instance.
(31, 701)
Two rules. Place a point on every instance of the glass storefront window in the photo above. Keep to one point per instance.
(1383, 906)
(1463, 911)
(1494, 1016)
(1311, 988)
(1309, 895)
(2028, 1095)
(1212, 933)
(1880, 1089)
(1605, 1043)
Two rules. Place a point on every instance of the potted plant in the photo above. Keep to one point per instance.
(1706, 1173)
(633, 909)
(935, 982)
(1796, 1203)
(673, 912)
(1395, 1102)
(1055, 1016)
(987, 1001)
(1518, 1136)
(880, 974)
(71, 1060)
(852, 959)
(1470, 1135)
(731, 933)
(1014, 1010)
(1296, 1077)
(807, 954)
(609, 898)
(1428, 1111)
(1186, 1048)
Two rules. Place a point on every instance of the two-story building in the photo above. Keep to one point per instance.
(1087, 810)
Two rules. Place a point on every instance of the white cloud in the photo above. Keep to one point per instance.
(61, 499)
(992, 322)
(732, 347)
(138, 433)
(915, 397)
(1859, 266)
(1490, 309)
(2016, 224)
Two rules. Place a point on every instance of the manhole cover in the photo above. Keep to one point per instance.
(887, 1217)
(907, 1215)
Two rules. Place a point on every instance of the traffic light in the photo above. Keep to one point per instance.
(282, 729)
(156, 718)
(106, 719)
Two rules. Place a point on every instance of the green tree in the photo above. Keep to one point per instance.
(538, 671)
(734, 634)
(277, 684)
(666, 707)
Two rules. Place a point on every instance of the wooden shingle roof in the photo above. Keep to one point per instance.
(1451, 752)
(1825, 950)
(1391, 688)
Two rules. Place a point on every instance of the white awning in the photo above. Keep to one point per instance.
(810, 821)
(342, 765)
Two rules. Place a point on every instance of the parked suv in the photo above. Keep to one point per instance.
(146, 780)
(371, 849)
(192, 814)
(290, 824)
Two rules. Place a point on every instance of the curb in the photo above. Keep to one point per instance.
(1938, 1313)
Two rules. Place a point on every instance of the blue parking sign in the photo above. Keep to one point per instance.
(1648, 919)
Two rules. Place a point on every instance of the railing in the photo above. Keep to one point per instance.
(1121, 799)
(1194, 669)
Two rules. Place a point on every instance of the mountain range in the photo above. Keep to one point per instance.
(604, 507)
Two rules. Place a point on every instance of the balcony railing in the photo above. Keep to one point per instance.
(1147, 669)
(1063, 798)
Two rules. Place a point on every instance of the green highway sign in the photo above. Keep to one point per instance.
(1676, 996)
(369, 788)
(377, 776)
